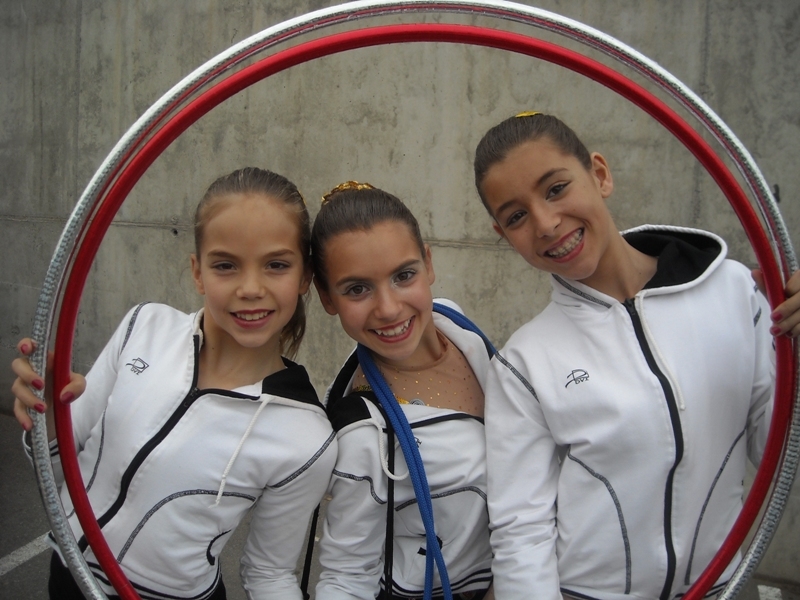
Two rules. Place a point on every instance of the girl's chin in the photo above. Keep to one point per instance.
(579, 268)
(389, 354)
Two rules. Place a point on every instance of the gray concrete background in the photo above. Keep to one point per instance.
(76, 74)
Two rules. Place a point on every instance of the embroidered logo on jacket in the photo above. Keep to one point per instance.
(577, 376)
(137, 365)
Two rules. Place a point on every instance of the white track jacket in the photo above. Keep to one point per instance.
(452, 448)
(153, 449)
(617, 433)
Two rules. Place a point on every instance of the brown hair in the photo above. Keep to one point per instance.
(514, 131)
(252, 180)
(352, 209)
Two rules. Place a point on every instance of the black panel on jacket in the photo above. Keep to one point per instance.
(345, 410)
(682, 256)
(292, 383)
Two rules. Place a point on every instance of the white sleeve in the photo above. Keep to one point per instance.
(88, 409)
(351, 548)
(760, 415)
(100, 380)
(522, 468)
(280, 521)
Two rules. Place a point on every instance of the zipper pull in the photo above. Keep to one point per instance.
(630, 305)
(191, 397)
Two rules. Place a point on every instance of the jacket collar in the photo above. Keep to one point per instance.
(292, 382)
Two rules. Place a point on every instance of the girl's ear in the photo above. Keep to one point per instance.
(325, 298)
(429, 265)
(198, 278)
(497, 229)
(602, 174)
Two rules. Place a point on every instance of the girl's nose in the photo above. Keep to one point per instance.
(387, 305)
(251, 285)
(546, 220)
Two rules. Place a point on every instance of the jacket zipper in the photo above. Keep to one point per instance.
(669, 394)
(149, 446)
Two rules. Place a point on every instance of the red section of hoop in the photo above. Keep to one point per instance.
(141, 160)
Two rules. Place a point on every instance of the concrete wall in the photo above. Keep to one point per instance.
(76, 74)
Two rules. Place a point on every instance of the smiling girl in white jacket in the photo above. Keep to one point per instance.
(618, 421)
(190, 422)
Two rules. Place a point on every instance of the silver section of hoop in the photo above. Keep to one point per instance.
(45, 310)
(153, 119)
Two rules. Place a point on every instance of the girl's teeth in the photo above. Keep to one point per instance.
(399, 330)
(568, 245)
(252, 316)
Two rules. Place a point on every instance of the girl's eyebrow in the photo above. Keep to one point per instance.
(219, 254)
(548, 174)
(405, 265)
(281, 252)
(225, 254)
(357, 279)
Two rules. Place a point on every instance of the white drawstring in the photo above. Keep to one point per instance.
(384, 455)
(264, 402)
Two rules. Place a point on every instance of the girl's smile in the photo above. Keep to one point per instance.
(379, 285)
(567, 247)
(255, 318)
(396, 333)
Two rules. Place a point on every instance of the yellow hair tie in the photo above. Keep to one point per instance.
(347, 185)
(529, 113)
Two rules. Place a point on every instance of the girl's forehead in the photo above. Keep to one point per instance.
(252, 206)
(243, 200)
(378, 248)
(256, 221)
(394, 230)
(541, 149)
(216, 205)
(529, 160)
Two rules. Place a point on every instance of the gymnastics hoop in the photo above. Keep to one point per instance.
(196, 94)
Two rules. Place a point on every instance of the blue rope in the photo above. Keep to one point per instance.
(416, 470)
(462, 321)
(408, 444)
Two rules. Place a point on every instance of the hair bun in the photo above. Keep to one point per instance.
(527, 113)
(347, 185)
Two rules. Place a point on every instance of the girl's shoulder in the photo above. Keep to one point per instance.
(343, 404)
(153, 325)
(450, 319)
(292, 387)
(155, 313)
(294, 416)
(352, 409)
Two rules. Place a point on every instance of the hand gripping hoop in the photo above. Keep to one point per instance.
(227, 74)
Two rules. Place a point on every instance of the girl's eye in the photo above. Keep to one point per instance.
(277, 266)
(404, 276)
(356, 290)
(222, 266)
(556, 190)
(514, 217)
